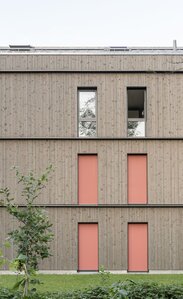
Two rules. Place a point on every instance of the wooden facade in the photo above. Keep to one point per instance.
(45, 104)
(38, 127)
(165, 167)
(165, 236)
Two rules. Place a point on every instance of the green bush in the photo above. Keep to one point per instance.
(132, 290)
(121, 290)
(8, 294)
(96, 293)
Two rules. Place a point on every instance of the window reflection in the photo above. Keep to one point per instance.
(136, 128)
(87, 128)
(87, 112)
(87, 104)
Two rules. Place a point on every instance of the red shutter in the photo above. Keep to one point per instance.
(137, 179)
(137, 247)
(88, 179)
(88, 247)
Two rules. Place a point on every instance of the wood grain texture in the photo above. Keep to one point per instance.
(92, 62)
(45, 105)
(165, 245)
(165, 168)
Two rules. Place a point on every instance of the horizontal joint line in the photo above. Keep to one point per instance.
(104, 206)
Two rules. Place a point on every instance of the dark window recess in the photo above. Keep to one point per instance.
(136, 111)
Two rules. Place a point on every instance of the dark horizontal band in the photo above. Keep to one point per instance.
(95, 71)
(93, 138)
(105, 206)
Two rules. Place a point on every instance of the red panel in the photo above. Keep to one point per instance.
(137, 247)
(88, 247)
(137, 179)
(88, 179)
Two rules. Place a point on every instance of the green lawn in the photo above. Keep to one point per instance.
(71, 282)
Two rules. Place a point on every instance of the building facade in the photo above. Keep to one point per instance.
(110, 121)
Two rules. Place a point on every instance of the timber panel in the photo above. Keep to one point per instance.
(45, 105)
(90, 62)
(165, 168)
(165, 236)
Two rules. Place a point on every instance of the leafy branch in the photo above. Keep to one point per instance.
(33, 235)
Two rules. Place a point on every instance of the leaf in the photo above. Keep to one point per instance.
(21, 258)
(7, 244)
(35, 281)
(18, 284)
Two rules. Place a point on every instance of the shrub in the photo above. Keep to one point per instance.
(132, 290)
(33, 236)
(104, 276)
(121, 290)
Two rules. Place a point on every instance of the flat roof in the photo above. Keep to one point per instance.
(118, 50)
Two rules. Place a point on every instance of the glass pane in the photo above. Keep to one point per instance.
(87, 101)
(87, 128)
(136, 128)
(136, 99)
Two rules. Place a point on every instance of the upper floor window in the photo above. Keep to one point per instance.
(87, 98)
(136, 111)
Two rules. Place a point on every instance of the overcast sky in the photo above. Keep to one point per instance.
(91, 22)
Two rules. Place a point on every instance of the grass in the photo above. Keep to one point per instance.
(53, 283)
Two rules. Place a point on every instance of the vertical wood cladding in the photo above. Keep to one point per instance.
(165, 245)
(92, 62)
(165, 168)
(45, 104)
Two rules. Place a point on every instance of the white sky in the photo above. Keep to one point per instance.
(91, 22)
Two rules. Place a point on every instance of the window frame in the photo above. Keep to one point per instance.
(144, 119)
(87, 89)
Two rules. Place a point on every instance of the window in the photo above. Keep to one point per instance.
(136, 111)
(87, 179)
(137, 179)
(87, 112)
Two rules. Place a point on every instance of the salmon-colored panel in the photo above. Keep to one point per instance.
(88, 179)
(137, 247)
(137, 179)
(88, 247)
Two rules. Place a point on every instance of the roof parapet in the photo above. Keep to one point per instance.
(111, 50)
(114, 49)
(20, 47)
